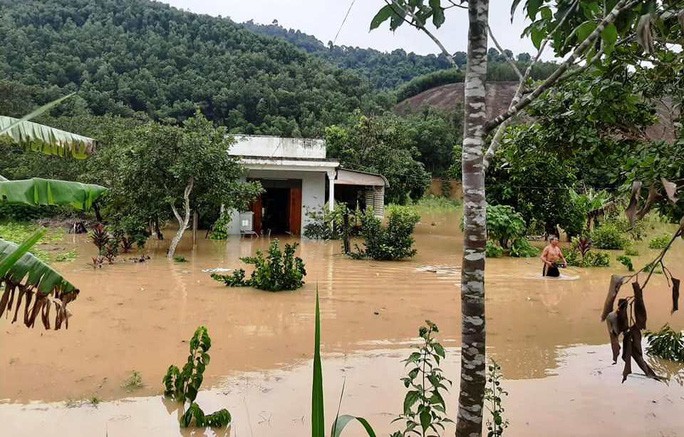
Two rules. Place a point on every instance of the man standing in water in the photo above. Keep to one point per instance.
(550, 256)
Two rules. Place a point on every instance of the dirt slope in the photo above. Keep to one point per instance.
(499, 94)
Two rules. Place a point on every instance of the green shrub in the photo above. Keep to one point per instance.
(666, 343)
(631, 251)
(393, 242)
(327, 225)
(504, 224)
(521, 248)
(219, 231)
(183, 386)
(626, 261)
(493, 250)
(180, 259)
(608, 236)
(424, 405)
(590, 259)
(659, 242)
(277, 271)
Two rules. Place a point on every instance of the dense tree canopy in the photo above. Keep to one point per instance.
(136, 55)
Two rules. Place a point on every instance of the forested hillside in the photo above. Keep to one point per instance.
(383, 70)
(127, 56)
(390, 70)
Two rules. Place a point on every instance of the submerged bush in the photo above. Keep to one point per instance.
(183, 385)
(424, 405)
(608, 236)
(329, 225)
(626, 261)
(504, 224)
(276, 271)
(589, 259)
(666, 343)
(219, 230)
(393, 242)
(521, 248)
(659, 242)
(493, 250)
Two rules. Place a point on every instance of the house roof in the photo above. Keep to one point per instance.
(355, 177)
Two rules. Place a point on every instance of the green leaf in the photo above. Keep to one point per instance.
(537, 35)
(46, 139)
(532, 8)
(584, 30)
(437, 13)
(13, 257)
(317, 401)
(383, 15)
(410, 399)
(610, 36)
(425, 419)
(41, 282)
(344, 420)
(39, 191)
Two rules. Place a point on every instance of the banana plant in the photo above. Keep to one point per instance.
(27, 281)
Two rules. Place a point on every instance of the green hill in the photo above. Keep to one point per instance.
(127, 56)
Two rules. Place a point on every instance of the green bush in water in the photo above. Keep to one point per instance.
(393, 242)
(666, 343)
(493, 250)
(183, 385)
(631, 251)
(608, 236)
(659, 243)
(626, 261)
(219, 231)
(277, 271)
(521, 248)
(504, 224)
(590, 259)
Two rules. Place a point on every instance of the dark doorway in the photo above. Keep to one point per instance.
(279, 208)
(276, 210)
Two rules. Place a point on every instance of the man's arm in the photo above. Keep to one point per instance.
(543, 256)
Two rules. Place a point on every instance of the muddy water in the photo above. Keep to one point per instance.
(544, 333)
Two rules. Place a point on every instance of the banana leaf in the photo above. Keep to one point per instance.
(46, 139)
(34, 285)
(39, 191)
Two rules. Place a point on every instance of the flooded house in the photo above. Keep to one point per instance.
(298, 178)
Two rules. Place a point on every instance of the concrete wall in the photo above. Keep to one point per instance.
(313, 192)
(436, 188)
(277, 147)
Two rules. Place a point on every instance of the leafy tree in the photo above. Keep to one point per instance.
(155, 171)
(588, 30)
(381, 145)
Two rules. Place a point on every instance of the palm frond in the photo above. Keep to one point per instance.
(33, 285)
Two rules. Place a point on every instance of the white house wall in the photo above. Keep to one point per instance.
(276, 147)
(313, 192)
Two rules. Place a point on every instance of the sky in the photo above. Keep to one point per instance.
(322, 18)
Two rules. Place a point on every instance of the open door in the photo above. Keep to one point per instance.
(257, 209)
(295, 210)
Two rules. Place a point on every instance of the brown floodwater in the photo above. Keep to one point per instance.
(545, 334)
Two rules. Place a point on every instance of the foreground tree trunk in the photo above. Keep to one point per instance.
(184, 221)
(473, 361)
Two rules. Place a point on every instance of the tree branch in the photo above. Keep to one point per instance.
(508, 59)
(551, 80)
(414, 22)
(496, 141)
